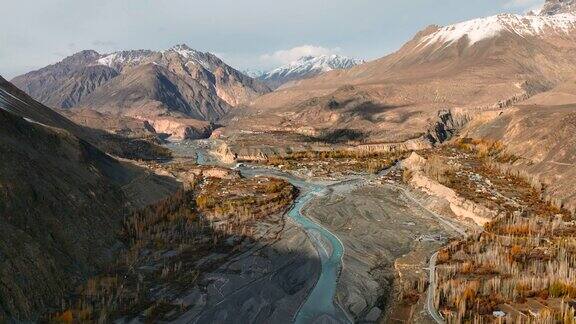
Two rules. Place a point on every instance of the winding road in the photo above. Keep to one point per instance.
(430, 307)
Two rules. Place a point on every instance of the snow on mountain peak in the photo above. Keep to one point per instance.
(118, 60)
(185, 51)
(477, 30)
(254, 73)
(192, 56)
(308, 65)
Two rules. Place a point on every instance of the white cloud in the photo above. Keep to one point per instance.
(526, 5)
(290, 55)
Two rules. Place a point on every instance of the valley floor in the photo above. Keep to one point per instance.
(250, 260)
(384, 232)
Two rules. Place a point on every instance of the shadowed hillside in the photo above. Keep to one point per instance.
(16, 101)
(62, 202)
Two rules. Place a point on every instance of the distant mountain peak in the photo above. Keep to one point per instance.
(554, 7)
(85, 53)
(81, 57)
(119, 60)
(306, 67)
(184, 50)
(254, 73)
(179, 81)
(189, 55)
(333, 61)
(182, 46)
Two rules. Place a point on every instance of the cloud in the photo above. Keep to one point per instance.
(527, 5)
(290, 55)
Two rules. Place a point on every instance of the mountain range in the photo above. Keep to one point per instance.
(179, 91)
(304, 68)
(507, 77)
(484, 63)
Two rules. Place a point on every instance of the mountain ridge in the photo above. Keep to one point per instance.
(553, 7)
(191, 85)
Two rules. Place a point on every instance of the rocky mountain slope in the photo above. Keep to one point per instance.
(62, 201)
(553, 7)
(64, 84)
(151, 86)
(306, 67)
(133, 148)
(481, 64)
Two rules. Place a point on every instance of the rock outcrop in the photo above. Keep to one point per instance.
(461, 207)
(554, 7)
(181, 128)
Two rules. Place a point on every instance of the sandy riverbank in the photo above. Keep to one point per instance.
(380, 227)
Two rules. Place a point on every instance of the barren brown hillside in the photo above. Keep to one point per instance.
(455, 67)
(62, 201)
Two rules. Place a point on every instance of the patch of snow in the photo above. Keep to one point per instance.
(4, 104)
(485, 28)
(498, 314)
(193, 56)
(119, 60)
(34, 122)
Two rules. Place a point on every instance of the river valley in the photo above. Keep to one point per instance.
(356, 231)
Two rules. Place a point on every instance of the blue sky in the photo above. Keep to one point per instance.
(257, 34)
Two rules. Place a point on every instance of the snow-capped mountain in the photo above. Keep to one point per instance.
(556, 19)
(183, 53)
(164, 88)
(68, 83)
(476, 65)
(484, 28)
(307, 67)
(254, 73)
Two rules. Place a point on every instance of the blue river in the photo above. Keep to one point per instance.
(320, 304)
